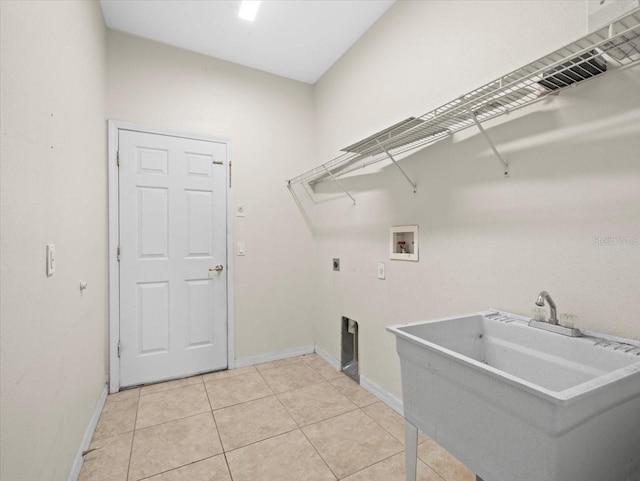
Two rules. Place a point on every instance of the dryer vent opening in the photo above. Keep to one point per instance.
(349, 357)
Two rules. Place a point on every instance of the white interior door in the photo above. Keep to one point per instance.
(172, 214)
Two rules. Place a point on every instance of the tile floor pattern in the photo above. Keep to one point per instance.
(297, 419)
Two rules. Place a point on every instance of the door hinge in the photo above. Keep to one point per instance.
(229, 174)
(118, 253)
(118, 158)
(119, 346)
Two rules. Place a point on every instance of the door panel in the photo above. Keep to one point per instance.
(153, 222)
(200, 235)
(172, 209)
(200, 311)
(153, 317)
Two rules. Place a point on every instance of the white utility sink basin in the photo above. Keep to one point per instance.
(514, 402)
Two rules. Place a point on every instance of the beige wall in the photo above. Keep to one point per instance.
(269, 120)
(53, 190)
(484, 241)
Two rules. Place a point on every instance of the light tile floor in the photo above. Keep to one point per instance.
(297, 419)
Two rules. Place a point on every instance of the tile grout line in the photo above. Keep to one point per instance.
(402, 442)
(380, 424)
(358, 387)
(274, 394)
(403, 447)
(238, 376)
(433, 468)
(195, 384)
(133, 438)
(370, 466)
(261, 440)
(301, 360)
(266, 383)
(288, 412)
(171, 421)
(226, 461)
(389, 457)
(296, 388)
(226, 374)
(242, 402)
(349, 412)
(101, 438)
(179, 467)
(331, 417)
(111, 401)
(302, 387)
(215, 423)
(224, 452)
(171, 388)
(305, 435)
(316, 450)
(297, 428)
(356, 407)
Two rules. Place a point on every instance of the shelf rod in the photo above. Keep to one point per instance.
(413, 184)
(505, 164)
(340, 184)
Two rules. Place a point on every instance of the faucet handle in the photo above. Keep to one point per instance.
(538, 314)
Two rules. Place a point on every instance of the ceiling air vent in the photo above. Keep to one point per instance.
(573, 71)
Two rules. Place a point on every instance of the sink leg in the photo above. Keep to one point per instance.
(410, 450)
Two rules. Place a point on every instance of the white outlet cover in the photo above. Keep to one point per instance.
(240, 210)
(241, 250)
(381, 273)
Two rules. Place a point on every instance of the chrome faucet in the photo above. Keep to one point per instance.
(544, 295)
(552, 324)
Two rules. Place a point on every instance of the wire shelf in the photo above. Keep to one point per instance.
(615, 46)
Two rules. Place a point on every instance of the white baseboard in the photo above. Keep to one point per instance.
(384, 396)
(88, 435)
(274, 356)
(335, 363)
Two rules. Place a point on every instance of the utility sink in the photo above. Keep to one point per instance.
(514, 402)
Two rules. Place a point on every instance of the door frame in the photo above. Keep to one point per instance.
(114, 234)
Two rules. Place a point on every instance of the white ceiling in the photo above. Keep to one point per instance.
(298, 39)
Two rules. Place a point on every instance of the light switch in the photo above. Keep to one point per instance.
(240, 211)
(241, 248)
(381, 270)
(51, 259)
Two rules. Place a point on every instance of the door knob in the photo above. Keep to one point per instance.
(217, 268)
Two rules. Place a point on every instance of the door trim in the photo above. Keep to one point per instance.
(114, 234)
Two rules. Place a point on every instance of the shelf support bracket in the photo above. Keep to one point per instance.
(504, 163)
(413, 184)
(335, 179)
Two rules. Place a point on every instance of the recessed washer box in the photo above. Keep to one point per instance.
(403, 245)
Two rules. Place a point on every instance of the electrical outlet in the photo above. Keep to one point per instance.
(336, 264)
(381, 270)
(51, 259)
